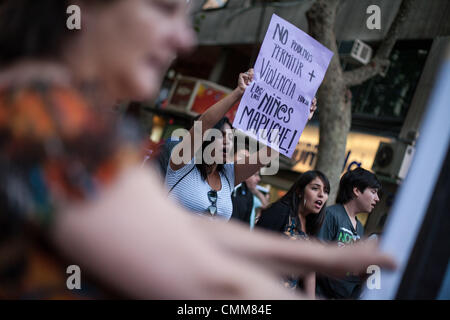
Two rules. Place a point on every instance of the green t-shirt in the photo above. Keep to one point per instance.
(337, 227)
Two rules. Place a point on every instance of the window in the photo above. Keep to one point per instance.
(386, 100)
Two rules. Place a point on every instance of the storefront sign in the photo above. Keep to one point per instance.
(360, 152)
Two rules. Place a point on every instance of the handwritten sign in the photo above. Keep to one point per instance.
(290, 68)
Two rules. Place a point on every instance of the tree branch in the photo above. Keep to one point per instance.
(361, 74)
(381, 59)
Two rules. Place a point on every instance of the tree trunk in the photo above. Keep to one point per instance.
(334, 112)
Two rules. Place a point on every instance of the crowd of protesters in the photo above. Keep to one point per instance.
(301, 214)
(228, 189)
(74, 190)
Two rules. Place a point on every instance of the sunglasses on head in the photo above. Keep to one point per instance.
(212, 197)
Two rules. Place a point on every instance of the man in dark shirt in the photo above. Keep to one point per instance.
(244, 201)
(358, 193)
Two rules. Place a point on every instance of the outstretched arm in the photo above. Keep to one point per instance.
(150, 248)
(211, 116)
(277, 254)
(122, 238)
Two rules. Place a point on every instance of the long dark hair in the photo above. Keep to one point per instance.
(203, 167)
(34, 29)
(294, 197)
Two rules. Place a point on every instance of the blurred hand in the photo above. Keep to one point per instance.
(356, 258)
(312, 108)
(244, 80)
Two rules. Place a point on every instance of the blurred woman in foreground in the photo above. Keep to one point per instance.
(71, 175)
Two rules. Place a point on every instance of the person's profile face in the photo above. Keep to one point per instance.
(368, 199)
(136, 41)
(253, 180)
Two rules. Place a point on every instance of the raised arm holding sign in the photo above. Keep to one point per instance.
(277, 101)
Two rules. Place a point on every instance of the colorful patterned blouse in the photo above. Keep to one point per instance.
(54, 149)
(293, 231)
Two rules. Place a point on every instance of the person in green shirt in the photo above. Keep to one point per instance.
(358, 193)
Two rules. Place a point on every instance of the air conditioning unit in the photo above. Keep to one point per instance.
(355, 51)
(393, 159)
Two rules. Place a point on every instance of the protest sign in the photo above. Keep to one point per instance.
(288, 71)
